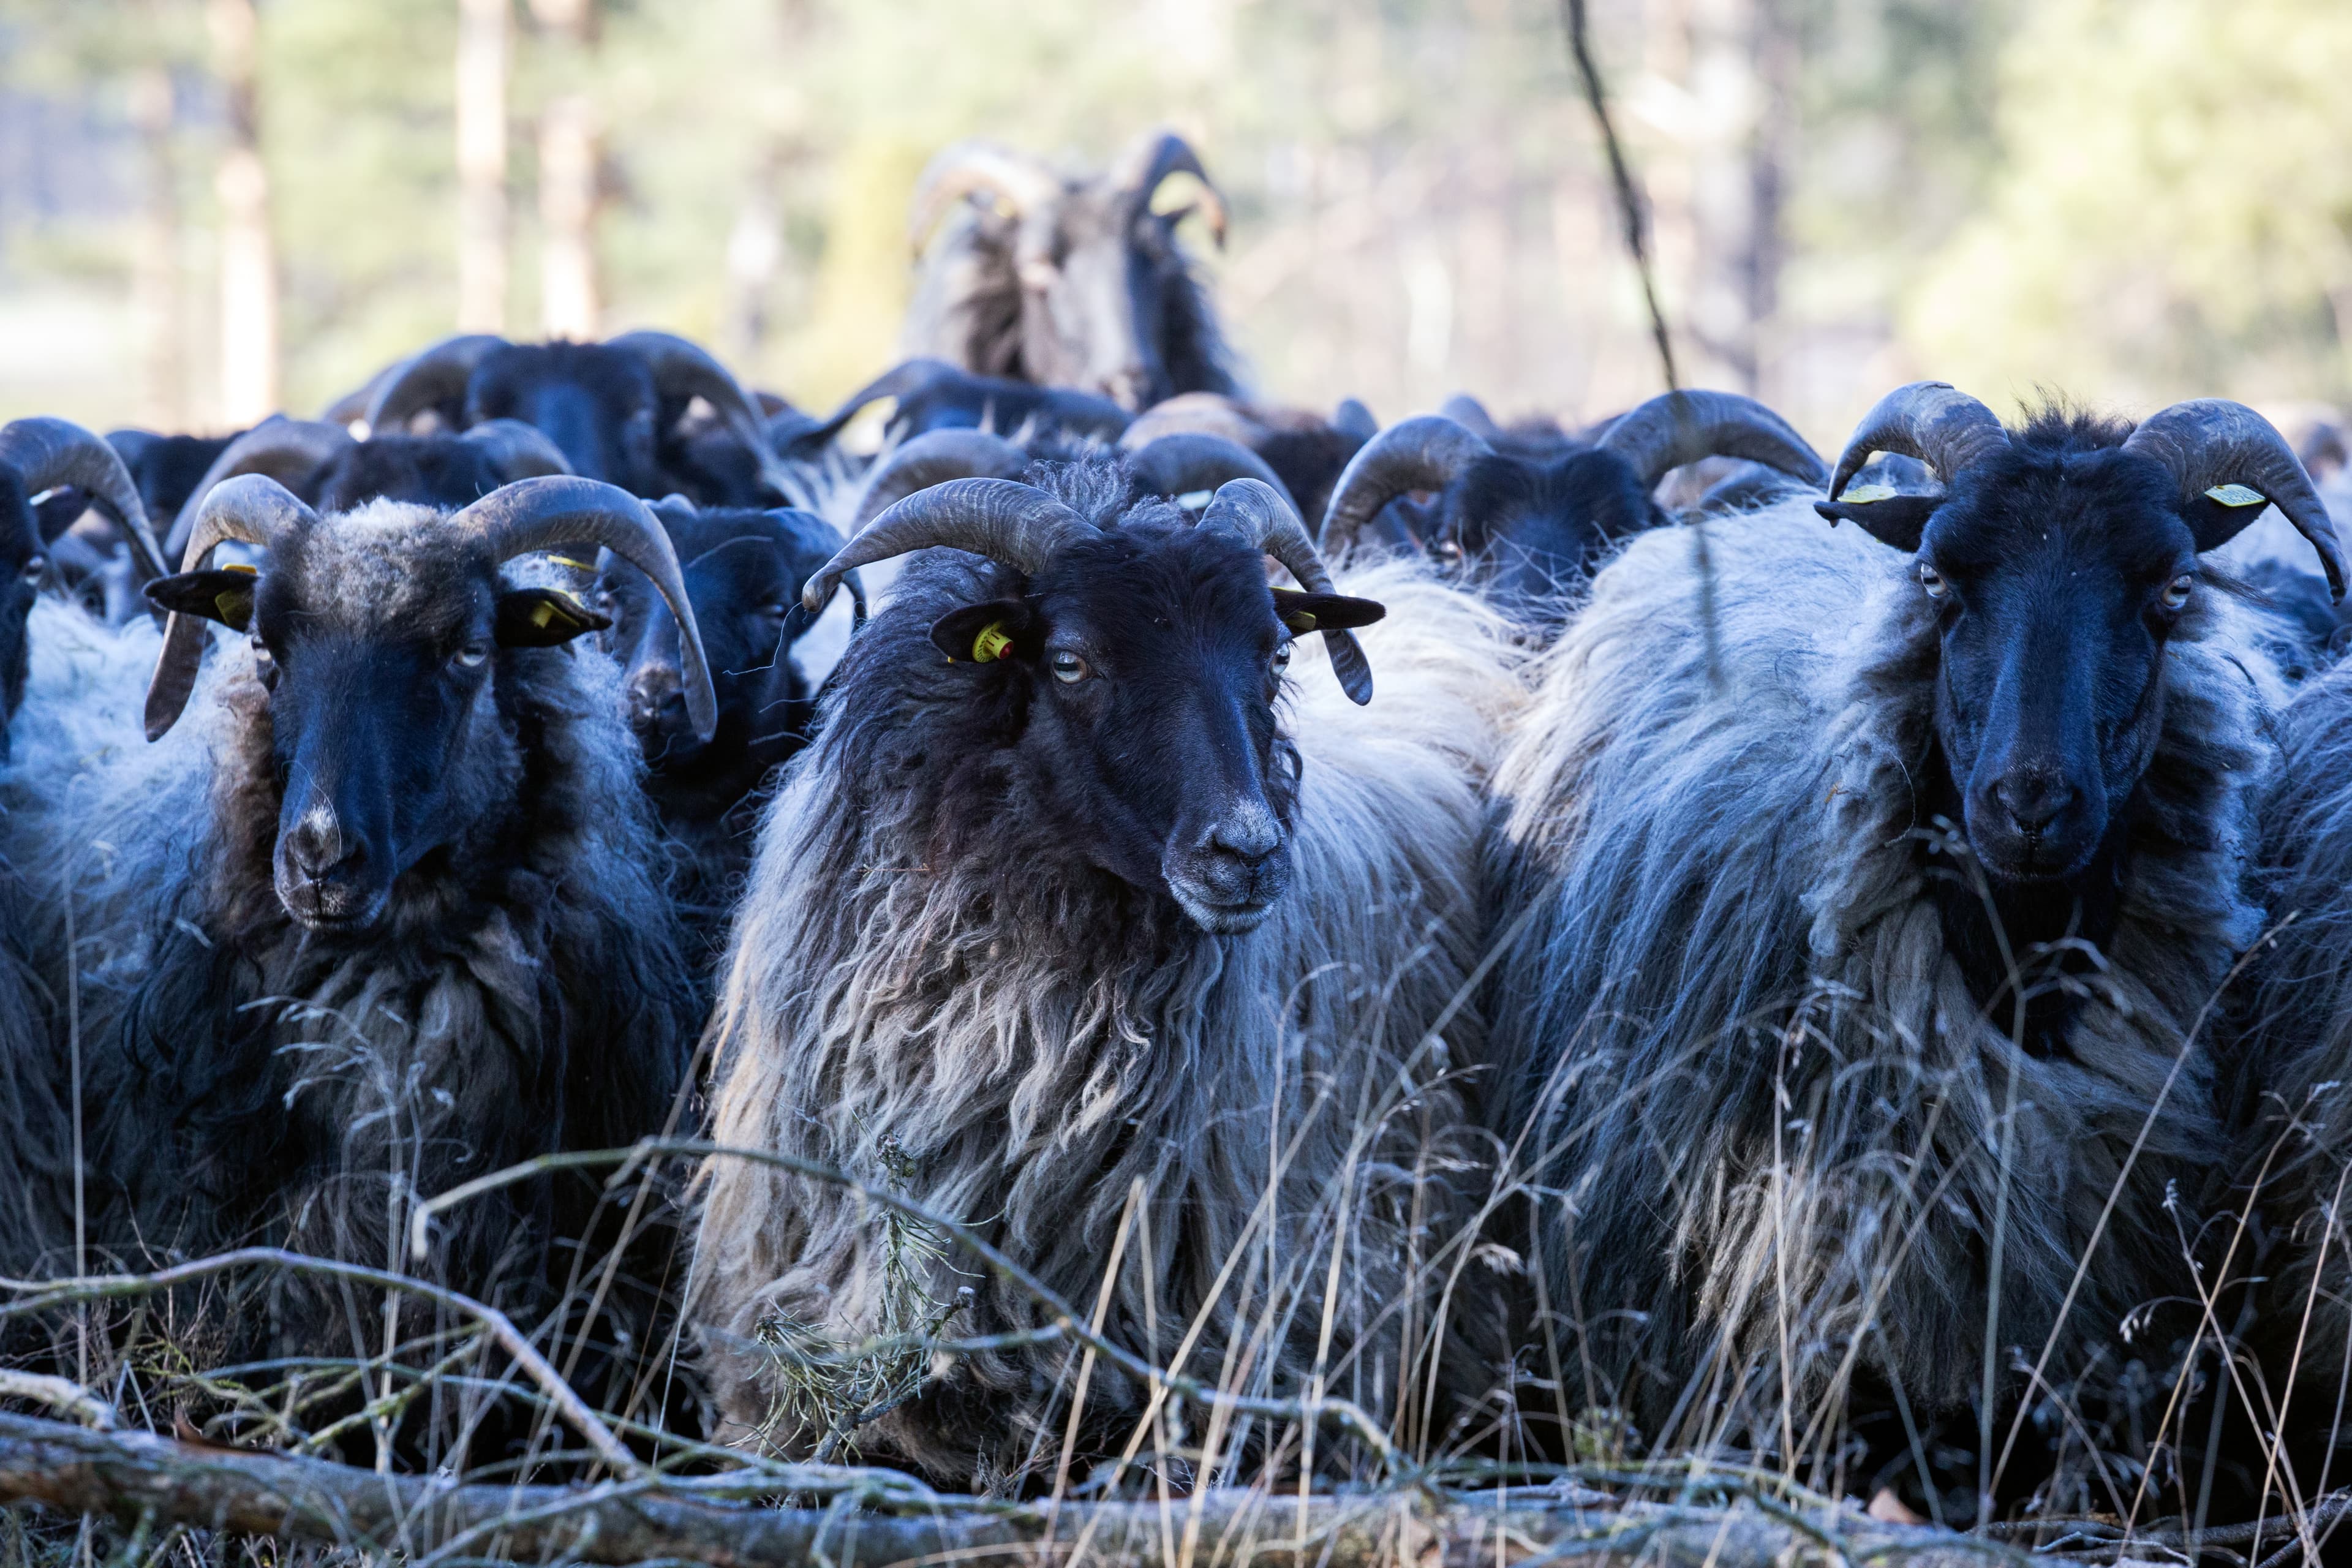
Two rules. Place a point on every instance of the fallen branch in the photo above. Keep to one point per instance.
(142, 1481)
(44, 1294)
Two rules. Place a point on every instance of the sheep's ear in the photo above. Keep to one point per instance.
(543, 617)
(983, 633)
(1304, 612)
(222, 593)
(1896, 520)
(2220, 514)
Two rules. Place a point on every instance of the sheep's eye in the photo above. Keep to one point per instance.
(33, 570)
(2175, 593)
(1932, 582)
(473, 655)
(1069, 668)
(1281, 656)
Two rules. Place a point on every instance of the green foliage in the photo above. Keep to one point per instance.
(2173, 212)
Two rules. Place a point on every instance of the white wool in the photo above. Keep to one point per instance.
(876, 1016)
(1771, 1099)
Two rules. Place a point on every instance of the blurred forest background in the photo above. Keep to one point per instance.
(2131, 200)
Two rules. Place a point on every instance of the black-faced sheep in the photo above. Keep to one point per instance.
(617, 410)
(382, 913)
(1065, 281)
(1086, 886)
(743, 573)
(1875, 899)
(1530, 517)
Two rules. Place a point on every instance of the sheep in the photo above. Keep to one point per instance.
(617, 410)
(1530, 514)
(743, 574)
(383, 914)
(930, 395)
(38, 456)
(1065, 281)
(1823, 853)
(1077, 890)
(1308, 451)
(322, 464)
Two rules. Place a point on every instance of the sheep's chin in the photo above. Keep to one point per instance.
(1221, 919)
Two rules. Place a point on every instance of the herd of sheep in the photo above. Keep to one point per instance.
(1546, 938)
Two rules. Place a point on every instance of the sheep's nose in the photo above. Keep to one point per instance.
(316, 846)
(654, 689)
(2033, 796)
(1249, 835)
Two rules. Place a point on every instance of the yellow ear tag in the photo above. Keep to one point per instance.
(541, 613)
(1299, 621)
(2237, 495)
(234, 606)
(1864, 493)
(993, 643)
(243, 568)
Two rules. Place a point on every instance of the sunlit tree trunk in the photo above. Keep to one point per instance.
(1742, 62)
(155, 259)
(483, 33)
(755, 254)
(569, 188)
(249, 261)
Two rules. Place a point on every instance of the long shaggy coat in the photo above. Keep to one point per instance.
(246, 1079)
(1778, 1121)
(2294, 1084)
(933, 990)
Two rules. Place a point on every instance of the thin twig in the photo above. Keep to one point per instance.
(1631, 208)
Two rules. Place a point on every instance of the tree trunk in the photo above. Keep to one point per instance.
(155, 257)
(570, 193)
(483, 32)
(755, 255)
(248, 260)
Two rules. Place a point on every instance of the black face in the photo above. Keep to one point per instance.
(598, 404)
(2056, 578)
(1148, 664)
(22, 564)
(1095, 317)
(1530, 531)
(383, 711)
(743, 572)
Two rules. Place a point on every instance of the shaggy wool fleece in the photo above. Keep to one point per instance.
(2295, 1085)
(1777, 1118)
(245, 1079)
(1021, 1044)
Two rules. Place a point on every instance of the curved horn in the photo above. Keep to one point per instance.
(1263, 518)
(552, 513)
(1419, 454)
(438, 375)
(1016, 524)
(1946, 429)
(1679, 427)
(901, 381)
(1194, 412)
(1471, 414)
(1180, 464)
(251, 509)
(934, 459)
(47, 454)
(518, 451)
(967, 168)
(1153, 160)
(2211, 441)
(288, 450)
(683, 369)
